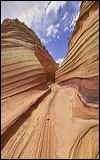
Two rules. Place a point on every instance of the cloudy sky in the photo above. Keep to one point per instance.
(52, 21)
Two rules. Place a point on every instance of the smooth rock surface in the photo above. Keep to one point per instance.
(16, 34)
(45, 120)
(26, 66)
(80, 70)
(80, 66)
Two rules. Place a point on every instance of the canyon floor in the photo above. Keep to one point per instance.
(45, 120)
(54, 127)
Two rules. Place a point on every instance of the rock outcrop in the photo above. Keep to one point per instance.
(80, 66)
(16, 34)
(63, 124)
(80, 71)
(25, 69)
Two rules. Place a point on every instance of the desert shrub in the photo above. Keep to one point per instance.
(16, 20)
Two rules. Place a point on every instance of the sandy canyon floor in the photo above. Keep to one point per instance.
(58, 126)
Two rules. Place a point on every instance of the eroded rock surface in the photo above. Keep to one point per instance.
(80, 71)
(80, 66)
(63, 124)
(25, 69)
(16, 34)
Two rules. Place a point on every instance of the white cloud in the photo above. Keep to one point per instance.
(58, 25)
(51, 30)
(66, 29)
(25, 11)
(60, 60)
(74, 21)
(36, 15)
(28, 16)
(71, 29)
(55, 30)
(64, 17)
(43, 40)
(54, 6)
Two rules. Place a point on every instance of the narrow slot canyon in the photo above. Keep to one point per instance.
(50, 111)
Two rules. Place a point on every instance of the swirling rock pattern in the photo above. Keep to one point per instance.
(80, 70)
(23, 78)
(16, 34)
(63, 124)
(80, 66)
(25, 69)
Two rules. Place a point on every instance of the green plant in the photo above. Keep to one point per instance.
(16, 19)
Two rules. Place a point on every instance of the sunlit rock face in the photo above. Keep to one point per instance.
(25, 69)
(59, 121)
(80, 66)
(16, 34)
(80, 69)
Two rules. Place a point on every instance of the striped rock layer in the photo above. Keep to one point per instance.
(16, 34)
(80, 70)
(63, 124)
(80, 66)
(26, 66)
(23, 81)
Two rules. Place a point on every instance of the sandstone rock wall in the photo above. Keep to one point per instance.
(20, 70)
(25, 69)
(80, 66)
(63, 124)
(16, 34)
(80, 70)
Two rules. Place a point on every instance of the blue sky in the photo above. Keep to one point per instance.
(52, 21)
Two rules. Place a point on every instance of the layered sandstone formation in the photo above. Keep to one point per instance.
(80, 66)
(16, 34)
(25, 69)
(80, 70)
(63, 124)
